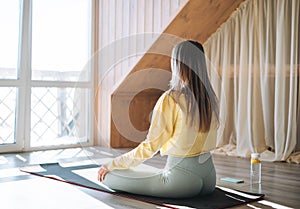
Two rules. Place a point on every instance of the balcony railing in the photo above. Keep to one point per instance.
(58, 114)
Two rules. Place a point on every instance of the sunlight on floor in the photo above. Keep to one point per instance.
(273, 205)
(266, 204)
(3, 160)
(47, 194)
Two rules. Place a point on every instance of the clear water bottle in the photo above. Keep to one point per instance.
(255, 169)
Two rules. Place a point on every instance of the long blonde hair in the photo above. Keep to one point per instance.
(190, 77)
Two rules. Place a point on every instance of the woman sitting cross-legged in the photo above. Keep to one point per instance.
(183, 127)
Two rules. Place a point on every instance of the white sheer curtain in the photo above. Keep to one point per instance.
(256, 54)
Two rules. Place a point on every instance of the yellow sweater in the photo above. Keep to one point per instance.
(170, 134)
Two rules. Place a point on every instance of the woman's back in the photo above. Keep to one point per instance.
(186, 139)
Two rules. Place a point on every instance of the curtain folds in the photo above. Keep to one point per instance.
(256, 56)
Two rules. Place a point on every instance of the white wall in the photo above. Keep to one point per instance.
(126, 28)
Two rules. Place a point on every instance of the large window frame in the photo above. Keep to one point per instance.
(24, 84)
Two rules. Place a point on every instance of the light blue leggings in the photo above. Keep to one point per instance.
(181, 177)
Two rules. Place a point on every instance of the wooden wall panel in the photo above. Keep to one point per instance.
(119, 23)
(123, 135)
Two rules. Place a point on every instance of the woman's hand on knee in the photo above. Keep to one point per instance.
(102, 172)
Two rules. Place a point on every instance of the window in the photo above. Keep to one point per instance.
(46, 84)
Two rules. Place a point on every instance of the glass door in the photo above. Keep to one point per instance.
(9, 77)
(46, 80)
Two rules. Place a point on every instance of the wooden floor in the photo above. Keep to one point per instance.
(280, 181)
